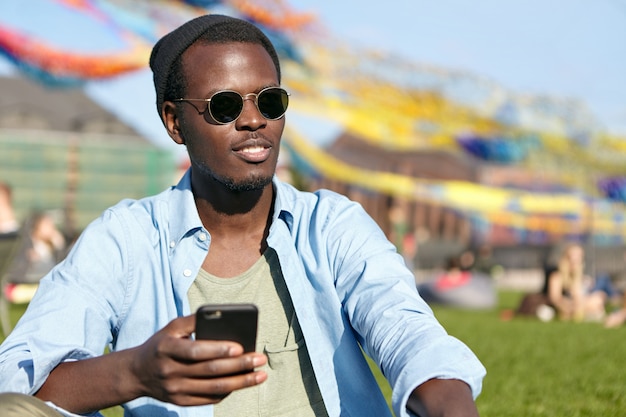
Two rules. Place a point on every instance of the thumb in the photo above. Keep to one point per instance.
(181, 327)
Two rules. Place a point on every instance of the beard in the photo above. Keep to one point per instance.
(254, 183)
(249, 184)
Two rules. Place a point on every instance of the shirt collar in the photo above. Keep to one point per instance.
(183, 213)
(284, 202)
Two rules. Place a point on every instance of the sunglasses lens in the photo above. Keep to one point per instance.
(273, 103)
(226, 106)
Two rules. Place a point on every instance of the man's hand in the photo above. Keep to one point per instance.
(442, 398)
(169, 366)
(173, 368)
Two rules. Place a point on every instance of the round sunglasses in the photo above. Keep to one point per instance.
(226, 106)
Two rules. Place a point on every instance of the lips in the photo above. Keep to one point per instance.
(253, 151)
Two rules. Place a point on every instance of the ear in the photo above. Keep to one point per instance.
(169, 115)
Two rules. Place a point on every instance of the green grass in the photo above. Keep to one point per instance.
(535, 369)
(543, 369)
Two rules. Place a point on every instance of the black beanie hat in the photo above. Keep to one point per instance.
(167, 50)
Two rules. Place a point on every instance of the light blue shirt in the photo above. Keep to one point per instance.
(128, 275)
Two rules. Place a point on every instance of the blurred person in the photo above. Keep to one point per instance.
(486, 263)
(42, 247)
(571, 292)
(457, 272)
(8, 220)
(467, 260)
(459, 286)
(48, 241)
(328, 283)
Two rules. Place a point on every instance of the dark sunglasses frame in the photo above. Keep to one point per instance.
(229, 118)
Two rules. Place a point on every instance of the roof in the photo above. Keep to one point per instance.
(26, 104)
(427, 163)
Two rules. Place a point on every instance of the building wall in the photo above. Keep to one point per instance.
(79, 175)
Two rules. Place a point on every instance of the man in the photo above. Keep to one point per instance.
(325, 278)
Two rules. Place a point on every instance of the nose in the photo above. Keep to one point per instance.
(251, 96)
(250, 114)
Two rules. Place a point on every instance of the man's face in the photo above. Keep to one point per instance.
(243, 154)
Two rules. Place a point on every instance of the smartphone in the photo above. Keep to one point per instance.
(236, 322)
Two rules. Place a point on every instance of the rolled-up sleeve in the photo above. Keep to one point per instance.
(394, 324)
(74, 312)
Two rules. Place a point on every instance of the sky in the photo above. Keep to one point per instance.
(564, 48)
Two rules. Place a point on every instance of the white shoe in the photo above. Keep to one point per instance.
(545, 313)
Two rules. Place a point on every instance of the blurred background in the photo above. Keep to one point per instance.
(494, 127)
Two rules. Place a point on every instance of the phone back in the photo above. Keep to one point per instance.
(236, 322)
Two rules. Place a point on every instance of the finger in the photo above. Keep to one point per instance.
(199, 391)
(228, 366)
(181, 326)
(189, 351)
(214, 368)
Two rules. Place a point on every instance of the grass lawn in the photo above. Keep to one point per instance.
(535, 368)
(543, 369)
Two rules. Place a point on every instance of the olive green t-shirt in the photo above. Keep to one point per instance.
(291, 388)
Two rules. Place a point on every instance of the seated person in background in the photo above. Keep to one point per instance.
(486, 263)
(455, 274)
(42, 247)
(459, 287)
(8, 221)
(573, 294)
(48, 242)
(328, 283)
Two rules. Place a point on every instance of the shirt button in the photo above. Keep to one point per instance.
(172, 244)
(187, 272)
(202, 237)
